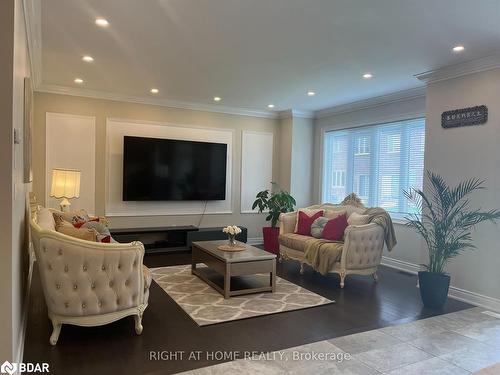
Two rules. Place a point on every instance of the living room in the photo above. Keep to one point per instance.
(240, 187)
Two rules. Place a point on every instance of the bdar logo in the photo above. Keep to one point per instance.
(8, 368)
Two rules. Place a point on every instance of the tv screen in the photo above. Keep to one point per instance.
(171, 170)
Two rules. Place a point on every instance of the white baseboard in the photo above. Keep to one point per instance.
(456, 293)
(400, 265)
(473, 298)
(255, 240)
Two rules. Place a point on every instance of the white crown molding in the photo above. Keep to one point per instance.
(96, 94)
(399, 96)
(459, 70)
(33, 25)
(290, 113)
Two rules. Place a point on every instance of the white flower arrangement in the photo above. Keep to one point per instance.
(232, 230)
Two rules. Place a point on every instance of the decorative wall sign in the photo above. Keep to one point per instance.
(464, 117)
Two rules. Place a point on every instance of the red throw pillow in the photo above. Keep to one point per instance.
(106, 239)
(334, 228)
(305, 222)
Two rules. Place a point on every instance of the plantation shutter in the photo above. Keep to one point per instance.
(379, 162)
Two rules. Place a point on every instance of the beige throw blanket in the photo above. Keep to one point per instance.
(381, 217)
(322, 254)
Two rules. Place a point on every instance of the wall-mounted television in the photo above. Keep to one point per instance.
(173, 170)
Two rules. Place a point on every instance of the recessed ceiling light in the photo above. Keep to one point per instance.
(78, 80)
(103, 22)
(154, 91)
(367, 75)
(87, 58)
(217, 98)
(270, 106)
(311, 93)
(458, 48)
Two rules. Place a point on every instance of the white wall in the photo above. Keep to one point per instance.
(285, 152)
(13, 252)
(257, 168)
(71, 145)
(296, 158)
(142, 113)
(6, 83)
(461, 153)
(20, 254)
(408, 251)
(302, 161)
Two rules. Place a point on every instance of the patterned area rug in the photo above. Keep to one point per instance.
(206, 306)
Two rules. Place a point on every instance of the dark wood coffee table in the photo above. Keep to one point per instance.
(251, 261)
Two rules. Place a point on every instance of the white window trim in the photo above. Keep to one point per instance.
(376, 120)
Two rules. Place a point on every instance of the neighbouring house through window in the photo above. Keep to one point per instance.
(377, 162)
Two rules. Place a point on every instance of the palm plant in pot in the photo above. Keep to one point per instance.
(446, 224)
(274, 202)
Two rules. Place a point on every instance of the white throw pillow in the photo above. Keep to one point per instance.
(45, 219)
(318, 225)
(357, 219)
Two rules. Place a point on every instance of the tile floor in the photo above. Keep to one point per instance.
(458, 343)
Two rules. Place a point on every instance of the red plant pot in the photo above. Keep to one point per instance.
(271, 243)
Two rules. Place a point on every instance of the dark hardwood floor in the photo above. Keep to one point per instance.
(116, 349)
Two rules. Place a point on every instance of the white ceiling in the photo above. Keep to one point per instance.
(255, 52)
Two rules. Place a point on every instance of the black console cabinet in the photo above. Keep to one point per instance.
(156, 239)
(169, 239)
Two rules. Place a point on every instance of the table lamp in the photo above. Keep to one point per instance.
(66, 185)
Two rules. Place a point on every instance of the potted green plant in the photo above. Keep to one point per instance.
(446, 224)
(274, 202)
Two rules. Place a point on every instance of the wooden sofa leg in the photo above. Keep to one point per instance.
(342, 279)
(138, 323)
(301, 268)
(375, 277)
(56, 330)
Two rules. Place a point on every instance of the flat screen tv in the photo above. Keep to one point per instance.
(172, 170)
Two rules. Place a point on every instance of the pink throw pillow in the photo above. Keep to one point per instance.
(305, 221)
(334, 229)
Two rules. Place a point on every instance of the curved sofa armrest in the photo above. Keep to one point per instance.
(82, 278)
(363, 246)
(287, 222)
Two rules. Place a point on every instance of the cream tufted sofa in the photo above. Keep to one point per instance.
(361, 252)
(88, 283)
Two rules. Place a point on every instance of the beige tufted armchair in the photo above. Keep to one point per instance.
(88, 283)
(361, 251)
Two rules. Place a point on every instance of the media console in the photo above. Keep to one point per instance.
(172, 238)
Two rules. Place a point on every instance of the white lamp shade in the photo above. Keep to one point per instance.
(65, 183)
